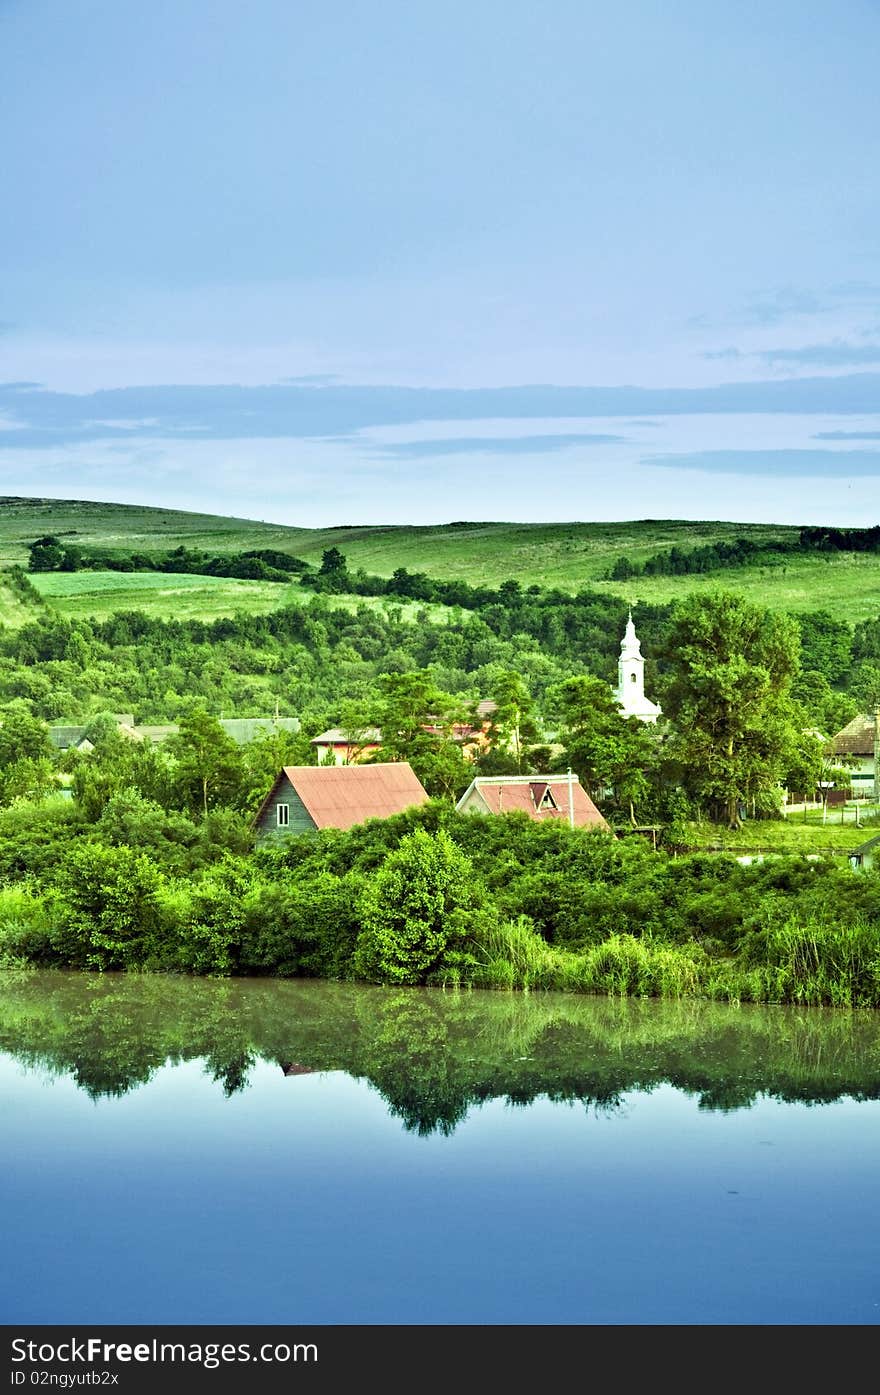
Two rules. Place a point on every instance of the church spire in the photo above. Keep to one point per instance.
(630, 643)
(631, 678)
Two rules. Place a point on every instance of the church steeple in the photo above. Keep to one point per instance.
(630, 643)
(631, 678)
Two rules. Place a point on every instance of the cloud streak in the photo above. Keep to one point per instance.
(774, 463)
(493, 445)
(45, 418)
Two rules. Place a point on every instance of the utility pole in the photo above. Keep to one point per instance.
(570, 799)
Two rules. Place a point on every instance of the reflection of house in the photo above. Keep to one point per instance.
(544, 797)
(306, 797)
(346, 747)
(294, 1068)
(630, 691)
(855, 746)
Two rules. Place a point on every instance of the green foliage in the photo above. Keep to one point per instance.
(416, 912)
(607, 750)
(511, 954)
(817, 962)
(728, 700)
(209, 768)
(108, 912)
(25, 926)
(211, 927)
(512, 726)
(306, 926)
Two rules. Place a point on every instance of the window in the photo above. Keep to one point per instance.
(542, 795)
(632, 678)
(283, 814)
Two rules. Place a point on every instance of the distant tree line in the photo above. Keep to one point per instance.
(49, 554)
(745, 552)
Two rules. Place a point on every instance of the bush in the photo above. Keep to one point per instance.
(109, 910)
(25, 922)
(416, 912)
(307, 925)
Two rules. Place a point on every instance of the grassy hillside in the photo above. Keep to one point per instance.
(181, 597)
(563, 554)
(566, 555)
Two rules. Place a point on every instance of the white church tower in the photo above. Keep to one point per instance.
(630, 692)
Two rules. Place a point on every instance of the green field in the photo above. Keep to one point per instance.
(180, 597)
(564, 555)
(788, 835)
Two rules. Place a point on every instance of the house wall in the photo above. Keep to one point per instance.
(348, 753)
(862, 775)
(474, 804)
(301, 820)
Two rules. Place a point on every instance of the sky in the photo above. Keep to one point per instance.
(403, 262)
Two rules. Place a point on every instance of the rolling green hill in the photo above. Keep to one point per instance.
(565, 555)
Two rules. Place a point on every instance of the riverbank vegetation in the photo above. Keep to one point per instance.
(432, 897)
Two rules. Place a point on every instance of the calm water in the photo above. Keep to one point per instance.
(276, 1152)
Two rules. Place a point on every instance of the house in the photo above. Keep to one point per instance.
(241, 729)
(63, 737)
(349, 746)
(855, 746)
(630, 690)
(866, 854)
(346, 747)
(542, 797)
(308, 797)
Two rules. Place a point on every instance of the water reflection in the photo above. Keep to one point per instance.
(432, 1055)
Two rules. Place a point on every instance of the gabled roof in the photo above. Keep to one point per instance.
(340, 796)
(856, 738)
(536, 796)
(246, 729)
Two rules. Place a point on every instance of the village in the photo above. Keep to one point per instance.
(347, 781)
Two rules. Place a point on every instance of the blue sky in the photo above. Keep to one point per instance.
(404, 262)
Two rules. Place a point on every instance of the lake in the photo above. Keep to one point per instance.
(298, 1152)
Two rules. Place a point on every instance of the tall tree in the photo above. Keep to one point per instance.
(209, 764)
(512, 726)
(606, 749)
(729, 703)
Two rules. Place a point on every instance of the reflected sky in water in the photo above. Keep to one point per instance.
(303, 1198)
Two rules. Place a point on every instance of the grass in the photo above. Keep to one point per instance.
(813, 963)
(182, 597)
(14, 611)
(565, 555)
(789, 835)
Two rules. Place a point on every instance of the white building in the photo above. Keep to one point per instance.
(630, 691)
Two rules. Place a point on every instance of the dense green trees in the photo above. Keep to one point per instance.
(729, 700)
(609, 752)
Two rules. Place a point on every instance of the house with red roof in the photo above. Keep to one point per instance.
(560, 798)
(306, 797)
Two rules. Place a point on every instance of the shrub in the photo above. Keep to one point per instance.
(416, 912)
(109, 909)
(24, 925)
(303, 925)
